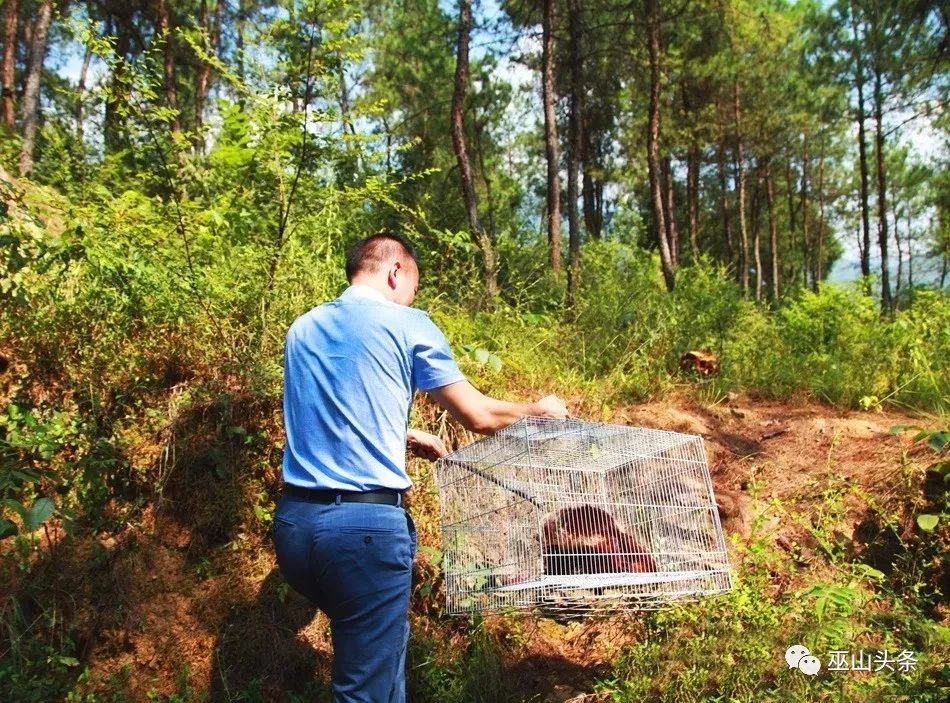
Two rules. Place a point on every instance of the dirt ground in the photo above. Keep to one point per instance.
(152, 614)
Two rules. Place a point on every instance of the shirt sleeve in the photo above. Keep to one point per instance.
(433, 365)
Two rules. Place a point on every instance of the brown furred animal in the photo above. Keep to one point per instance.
(703, 362)
(585, 539)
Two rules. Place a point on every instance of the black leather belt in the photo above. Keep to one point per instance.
(312, 495)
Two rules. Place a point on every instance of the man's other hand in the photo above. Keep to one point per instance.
(425, 445)
(551, 406)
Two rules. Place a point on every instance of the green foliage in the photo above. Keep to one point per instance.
(41, 660)
(472, 675)
(31, 450)
(832, 344)
(184, 693)
(732, 647)
(939, 442)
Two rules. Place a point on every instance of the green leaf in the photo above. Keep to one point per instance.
(820, 607)
(481, 355)
(26, 476)
(841, 597)
(927, 522)
(494, 361)
(7, 529)
(939, 440)
(15, 506)
(897, 429)
(434, 555)
(869, 572)
(40, 512)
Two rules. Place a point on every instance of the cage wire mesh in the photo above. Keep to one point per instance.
(579, 517)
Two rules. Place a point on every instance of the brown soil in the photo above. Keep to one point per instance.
(149, 608)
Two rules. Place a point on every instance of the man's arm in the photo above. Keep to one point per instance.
(485, 415)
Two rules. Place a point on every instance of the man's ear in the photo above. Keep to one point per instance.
(391, 279)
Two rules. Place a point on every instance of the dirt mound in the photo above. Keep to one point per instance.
(779, 446)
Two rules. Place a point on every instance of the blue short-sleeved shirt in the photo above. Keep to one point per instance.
(351, 368)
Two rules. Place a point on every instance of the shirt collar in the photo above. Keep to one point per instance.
(358, 290)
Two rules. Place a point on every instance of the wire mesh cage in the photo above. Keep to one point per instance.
(579, 517)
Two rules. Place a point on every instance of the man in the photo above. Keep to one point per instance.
(342, 537)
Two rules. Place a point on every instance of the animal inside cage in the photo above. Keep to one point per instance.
(581, 517)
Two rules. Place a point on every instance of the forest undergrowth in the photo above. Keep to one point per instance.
(140, 439)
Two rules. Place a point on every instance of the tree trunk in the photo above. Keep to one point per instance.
(887, 302)
(479, 128)
(792, 220)
(773, 230)
(168, 55)
(347, 121)
(740, 187)
(7, 106)
(31, 93)
(575, 115)
(860, 243)
(910, 256)
(803, 193)
(389, 145)
(111, 132)
(756, 239)
(203, 75)
(592, 187)
(692, 198)
(348, 125)
(80, 93)
(461, 153)
(900, 258)
(239, 45)
(653, 138)
(724, 188)
(862, 156)
(593, 193)
(692, 175)
(550, 139)
(669, 214)
(820, 244)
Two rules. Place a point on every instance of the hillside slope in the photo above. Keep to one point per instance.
(164, 608)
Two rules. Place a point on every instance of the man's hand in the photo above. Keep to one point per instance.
(425, 445)
(550, 406)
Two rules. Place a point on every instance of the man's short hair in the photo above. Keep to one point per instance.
(369, 253)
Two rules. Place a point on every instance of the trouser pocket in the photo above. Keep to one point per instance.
(412, 534)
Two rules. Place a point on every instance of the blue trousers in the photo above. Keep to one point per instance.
(354, 562)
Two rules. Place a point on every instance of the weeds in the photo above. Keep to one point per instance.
(732, 647)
